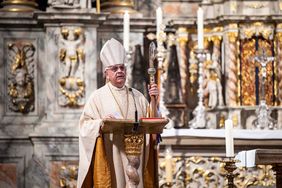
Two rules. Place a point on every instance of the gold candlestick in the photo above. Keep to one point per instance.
(230, 168)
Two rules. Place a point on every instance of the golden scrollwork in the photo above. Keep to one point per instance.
(72, 95)
(232, 36)
(133, 144)
(209, 172)
(256, 5)
(257, 29)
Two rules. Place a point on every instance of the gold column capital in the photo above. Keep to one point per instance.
(232, 36)
(182, 35)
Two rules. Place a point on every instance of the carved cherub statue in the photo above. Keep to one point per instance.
(71, 54)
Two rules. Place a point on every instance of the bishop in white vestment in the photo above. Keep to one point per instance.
(113, 100)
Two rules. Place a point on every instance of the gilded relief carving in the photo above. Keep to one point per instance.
(72, 59)
(68, 176)
(21, 77)
(256, 29)
(209, 172)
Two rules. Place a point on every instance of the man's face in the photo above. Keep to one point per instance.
(116, 74)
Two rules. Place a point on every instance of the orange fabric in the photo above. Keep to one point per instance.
(151, 170)
(101, 174)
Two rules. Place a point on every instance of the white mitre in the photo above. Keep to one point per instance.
(112, 53)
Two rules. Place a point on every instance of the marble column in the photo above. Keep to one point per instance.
(117, 6)
(19, 5)
(232, 94)
(279, 66)
(182, 38)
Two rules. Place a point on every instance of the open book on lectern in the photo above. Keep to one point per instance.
(145, 125)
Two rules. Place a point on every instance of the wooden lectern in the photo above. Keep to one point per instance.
(133, 140)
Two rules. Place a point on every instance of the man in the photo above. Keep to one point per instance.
(113, 100)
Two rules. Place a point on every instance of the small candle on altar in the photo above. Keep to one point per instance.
(168, 165)
(126, 31)
(200, 27)
(229, 141)
(159, 15)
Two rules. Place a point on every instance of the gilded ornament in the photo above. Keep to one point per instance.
(133, 144)
(232, 36)
(256, 5)
(209, 172)
(20, 77)
(72, 59)
(279, 37)
(182, 35)
(257, 29)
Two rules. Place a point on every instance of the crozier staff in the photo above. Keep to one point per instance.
(113, 100)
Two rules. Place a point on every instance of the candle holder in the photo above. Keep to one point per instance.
(230, 167)
(129, 67)
(161, 52)
(200, 121)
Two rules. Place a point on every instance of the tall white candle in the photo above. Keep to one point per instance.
(126, 31)
(229, 141)
(200, 24)
(159, 14)
(168, 165)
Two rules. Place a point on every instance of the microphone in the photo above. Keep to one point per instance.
(136, 123)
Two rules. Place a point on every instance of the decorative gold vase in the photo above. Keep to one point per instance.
(117, 6)
(19, 5)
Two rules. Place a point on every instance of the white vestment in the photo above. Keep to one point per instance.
(110, 100)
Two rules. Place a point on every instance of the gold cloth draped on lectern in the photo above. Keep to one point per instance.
(102, 174)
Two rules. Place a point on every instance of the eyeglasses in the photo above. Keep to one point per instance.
(115, 68)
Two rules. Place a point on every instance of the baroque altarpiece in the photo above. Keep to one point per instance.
(50, 65)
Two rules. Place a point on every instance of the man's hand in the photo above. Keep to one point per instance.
(153, 90)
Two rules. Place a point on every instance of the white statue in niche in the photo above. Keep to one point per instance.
(70, 3)
(212, 83)
(71, 53)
